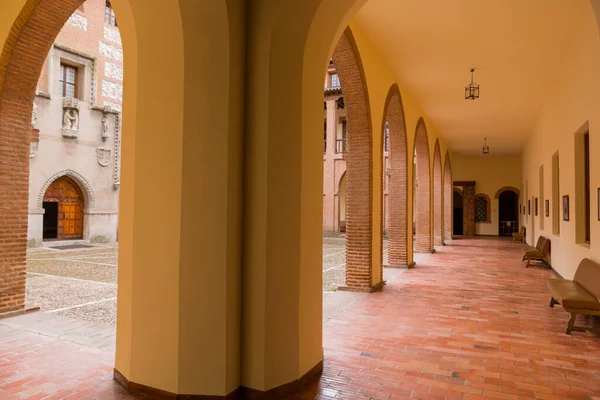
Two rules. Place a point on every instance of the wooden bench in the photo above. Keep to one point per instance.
(519, 235)
(539, 252)
(579, 296)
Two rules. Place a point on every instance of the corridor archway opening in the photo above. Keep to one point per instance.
(508, 212)
(448, 197)
(457, 212)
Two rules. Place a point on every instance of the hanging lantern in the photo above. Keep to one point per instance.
(486, 148)
(472, 89)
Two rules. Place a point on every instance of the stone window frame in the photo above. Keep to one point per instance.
(488, 208)
(86, 65)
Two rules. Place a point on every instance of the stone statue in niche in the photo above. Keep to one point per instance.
(70, 128)
(105, 127)
(71, 120)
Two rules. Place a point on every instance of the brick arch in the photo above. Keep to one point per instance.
(448, 198)
(393, 112)
(504, 189)
(423, 190)
(359, 164)
(23, 56)
(438, 193)
(488, 204)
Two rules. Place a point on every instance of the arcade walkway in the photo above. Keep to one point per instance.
(470, 322)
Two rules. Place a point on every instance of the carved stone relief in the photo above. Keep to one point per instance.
(34, 115)
(103, 156)
(70, 127)
(33, 149)
(105, 127)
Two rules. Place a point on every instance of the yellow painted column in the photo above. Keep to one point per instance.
(179, 311)
(282, 288)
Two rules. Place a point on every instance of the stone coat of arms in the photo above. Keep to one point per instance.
(103, 156)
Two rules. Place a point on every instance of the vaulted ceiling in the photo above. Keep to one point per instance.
(515, 46)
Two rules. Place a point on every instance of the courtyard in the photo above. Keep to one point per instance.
(80, 283)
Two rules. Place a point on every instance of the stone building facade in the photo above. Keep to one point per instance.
(334, 162)
(75, 143)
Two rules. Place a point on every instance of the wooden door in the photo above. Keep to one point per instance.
(70, 207)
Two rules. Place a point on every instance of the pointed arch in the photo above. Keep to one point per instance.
(359, 164)
(438, 221)
(82, 183)
(393, 113)
(448, 206)
(422, 191)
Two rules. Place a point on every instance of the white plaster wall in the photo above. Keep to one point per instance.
(57, 153)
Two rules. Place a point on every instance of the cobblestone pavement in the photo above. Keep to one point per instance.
(78, 283)
(334, 261)
(82, 283)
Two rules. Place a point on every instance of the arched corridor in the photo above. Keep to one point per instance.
(223, 296)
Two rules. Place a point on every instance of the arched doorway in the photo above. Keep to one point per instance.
(63, 210)
(342, 205)
(457, 213)
(508, 212)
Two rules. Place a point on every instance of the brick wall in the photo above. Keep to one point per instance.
(448, 206)
(22, 61)
(398, 179)
(359, 158)
(85, 31)
(423, 190)
(437, 196)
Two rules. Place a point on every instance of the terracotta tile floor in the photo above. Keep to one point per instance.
(470, 322)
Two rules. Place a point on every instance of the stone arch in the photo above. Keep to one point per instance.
(448, 206)
(359, 164)
(488, 205)
(438, 199)
(84, 186)
(505, 188)
(393, 113)
(422, 192)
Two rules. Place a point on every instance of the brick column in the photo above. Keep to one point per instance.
(359, 168)
(469, 210)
